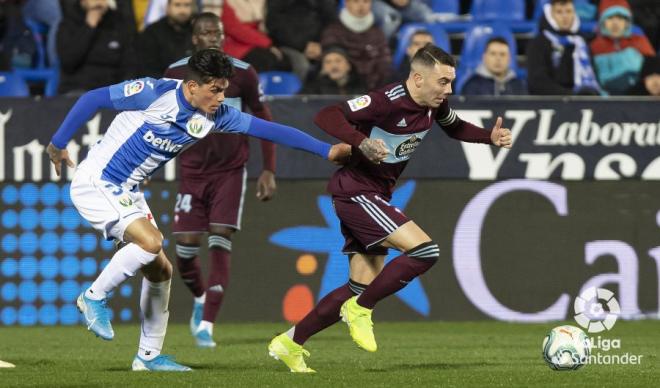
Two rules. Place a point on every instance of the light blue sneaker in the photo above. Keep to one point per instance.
(162, 363)
(204, 339)
(97, 316)
(196, 318)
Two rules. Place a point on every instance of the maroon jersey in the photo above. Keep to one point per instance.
(389, 114)
(221, 152)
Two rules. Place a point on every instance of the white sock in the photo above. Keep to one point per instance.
(123, 265)
(291, 332)
(206, 325)
(154, 315)
(201, 299)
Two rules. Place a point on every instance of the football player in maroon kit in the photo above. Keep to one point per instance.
(212, 186)
(386, 126)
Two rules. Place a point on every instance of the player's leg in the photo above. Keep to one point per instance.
(225, 209)
(190, 225)
(154, 315)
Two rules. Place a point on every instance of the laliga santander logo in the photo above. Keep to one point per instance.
(590, 312)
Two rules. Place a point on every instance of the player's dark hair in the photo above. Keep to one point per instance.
(206, 65)
(430, 55)
(201, 18)
(553, 2)
(497, 39)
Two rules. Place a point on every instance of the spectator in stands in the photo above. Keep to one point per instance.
(390, 14)
(295, 26)
(245, 38)
(364, 42)
(618, 52)
(49, 13)
(94, 46)
(646, 14)
(418, 40)
(336, 76)
(649, 80)
(558, 59)
(167, 40)
(11, 30)
(494, 76)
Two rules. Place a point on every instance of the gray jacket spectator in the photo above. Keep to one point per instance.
(494, 76)
(364, 42)
(167, 40)
(94, 46)
(558, 58)
(295, 26)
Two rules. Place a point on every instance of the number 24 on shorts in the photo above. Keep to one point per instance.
(182, 203)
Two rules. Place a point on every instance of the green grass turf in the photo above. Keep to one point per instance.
(409, 354)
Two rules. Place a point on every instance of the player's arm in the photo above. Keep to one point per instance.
(340, 120)
(266, 184)
(231, 120)
(461, 130)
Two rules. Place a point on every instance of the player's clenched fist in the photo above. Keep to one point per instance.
(339, 153)
(374, 149)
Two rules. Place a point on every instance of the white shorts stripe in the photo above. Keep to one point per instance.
(383, 224)
(378, 212)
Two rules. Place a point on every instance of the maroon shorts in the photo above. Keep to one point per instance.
(366, 220)
(216, 199)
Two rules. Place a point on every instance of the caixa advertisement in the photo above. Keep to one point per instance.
(522, 232)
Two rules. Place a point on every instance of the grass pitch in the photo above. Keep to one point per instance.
(409, 354)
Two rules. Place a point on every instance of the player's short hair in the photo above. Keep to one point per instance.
(206, 65)
(201, 18)
(430, 55)
(553, 2)
(497, 39)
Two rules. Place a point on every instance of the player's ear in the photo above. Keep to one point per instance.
(192, 85)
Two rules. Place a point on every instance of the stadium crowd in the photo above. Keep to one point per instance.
(567, 47)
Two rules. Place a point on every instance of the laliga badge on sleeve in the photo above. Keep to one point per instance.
(359, 103)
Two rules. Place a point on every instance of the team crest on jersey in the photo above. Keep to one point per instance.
(125, 201)
(195, 125)
(132, 88)
(359, 103)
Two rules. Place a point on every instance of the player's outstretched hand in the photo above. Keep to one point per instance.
(266, 185)
(374, 149)
(56, 156)
(339, 153)
(501, 137)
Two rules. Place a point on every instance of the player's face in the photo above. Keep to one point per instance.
(208, 97)
(563, 15)
(417, 42)
(652, 83)
(497, 58)
(335, 66)
(435, 84)
(358, 8)
(179, 10)
(616, 25)
(209, 35)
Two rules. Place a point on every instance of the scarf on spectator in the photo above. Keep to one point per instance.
(354, 23)
(583, 73)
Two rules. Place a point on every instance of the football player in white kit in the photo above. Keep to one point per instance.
(159, 119)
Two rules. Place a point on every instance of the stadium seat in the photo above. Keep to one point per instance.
(406, 32)
(41, 71)
(279, 83)
(475, 44)
(12, 85)
(511, 11)
(446, 6)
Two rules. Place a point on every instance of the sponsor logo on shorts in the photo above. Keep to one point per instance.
(407, 147)
(132, 88)
(126, 201)
(359, 103)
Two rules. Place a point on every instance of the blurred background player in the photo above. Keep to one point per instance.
(212, 186)
(159, 118)
(386, 125)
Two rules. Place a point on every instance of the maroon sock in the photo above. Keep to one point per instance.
(325, 314)
(219, 264)
(191, 274)
(394, 276)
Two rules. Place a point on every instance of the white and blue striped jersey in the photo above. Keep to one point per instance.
(156, 124)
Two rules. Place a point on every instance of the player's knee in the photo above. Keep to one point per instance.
(152, 242)
(166, 270)
(219, 242)
(427, 253)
